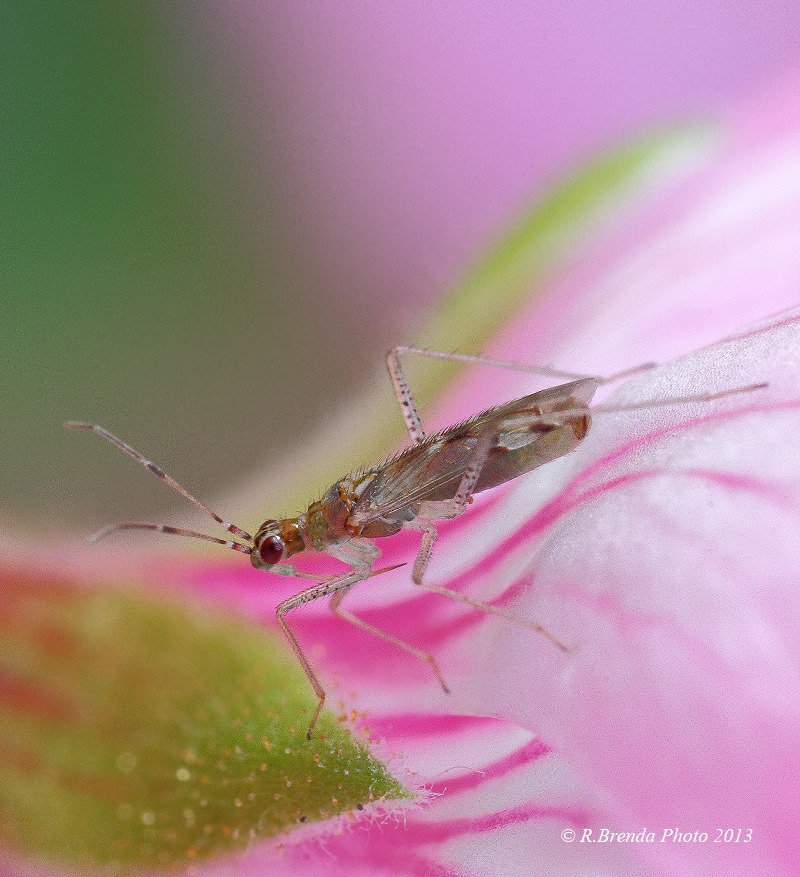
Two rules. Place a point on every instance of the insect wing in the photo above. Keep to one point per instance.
(433, 469)
(410, 477)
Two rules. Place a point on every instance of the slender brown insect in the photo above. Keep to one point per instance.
(433, 479)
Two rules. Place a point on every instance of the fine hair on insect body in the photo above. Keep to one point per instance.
(434, 478)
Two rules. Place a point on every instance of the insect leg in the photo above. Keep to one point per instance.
(428, 658)
(401, 384)
(405, 399)
(362, 554)
(323, 589)
(420, 564)
(669, 401)
(451, 509)
(680, 400)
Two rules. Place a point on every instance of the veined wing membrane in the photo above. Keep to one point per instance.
(433, 469)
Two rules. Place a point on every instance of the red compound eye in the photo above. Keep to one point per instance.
(271, 550)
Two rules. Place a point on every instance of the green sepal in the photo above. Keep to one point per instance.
(141, 732)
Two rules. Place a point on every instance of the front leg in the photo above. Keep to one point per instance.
(323, 589)
(361, 553)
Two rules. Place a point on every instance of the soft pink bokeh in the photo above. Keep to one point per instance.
(401, 136)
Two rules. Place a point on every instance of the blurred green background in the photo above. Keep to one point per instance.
(147, 282)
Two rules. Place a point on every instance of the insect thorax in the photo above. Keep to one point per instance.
(329, 520)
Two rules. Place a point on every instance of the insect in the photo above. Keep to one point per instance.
(433, 479)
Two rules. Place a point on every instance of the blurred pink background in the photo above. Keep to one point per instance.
(408, 135)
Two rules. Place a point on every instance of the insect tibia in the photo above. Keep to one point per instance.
(494, 610)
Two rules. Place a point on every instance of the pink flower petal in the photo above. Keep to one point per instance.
(670, 568)
(664, 552)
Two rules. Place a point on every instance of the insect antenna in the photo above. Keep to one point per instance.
(170, 531)
(168, 479)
